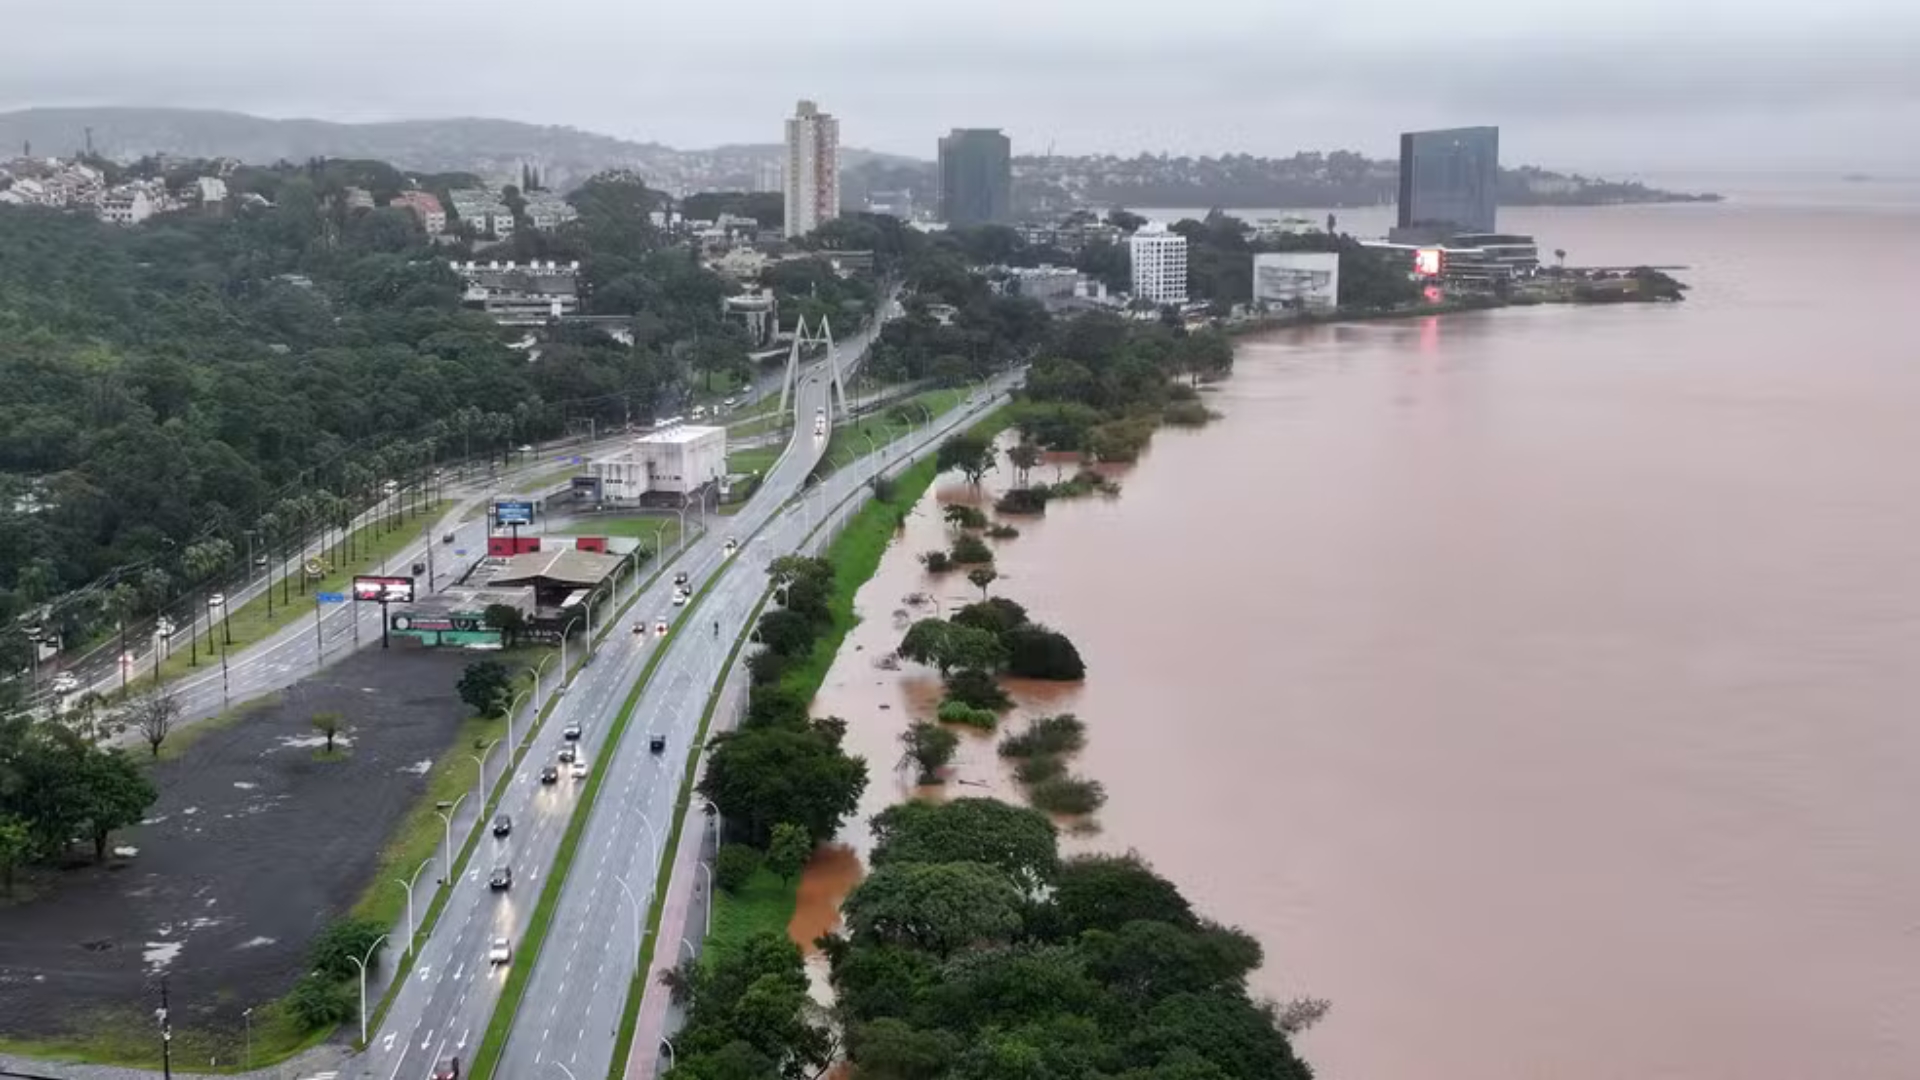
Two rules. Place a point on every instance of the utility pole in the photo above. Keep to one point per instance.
(166, 1034)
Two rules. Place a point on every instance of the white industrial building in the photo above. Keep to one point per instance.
(673, 462)
(1297, 280)
(1159, 264)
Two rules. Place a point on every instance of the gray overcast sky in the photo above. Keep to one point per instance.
(1623, 85)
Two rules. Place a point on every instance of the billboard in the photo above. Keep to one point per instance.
(1297, 279)
(513, 513)
(1429, 262)
(385, 590)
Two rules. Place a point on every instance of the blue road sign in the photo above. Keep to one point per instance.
(331, 597)
(459, 551)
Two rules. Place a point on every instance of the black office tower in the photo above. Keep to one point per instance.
(976, 177)
(1449, 183)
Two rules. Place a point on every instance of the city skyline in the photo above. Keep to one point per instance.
(1774, 87)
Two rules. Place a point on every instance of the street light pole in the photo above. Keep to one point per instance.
(362, 965)
(480, 759)
(709, 872)
(514, 707)
(538, 668)
(408, 885)
(447, 816)
(668, 1044)
(246, 1015)
(622, 882)
(654, 867)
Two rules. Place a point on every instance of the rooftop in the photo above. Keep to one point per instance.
(682, 433)
(569, 567)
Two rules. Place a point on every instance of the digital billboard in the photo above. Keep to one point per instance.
(384, 590)
(513, 513)
(1428, 262)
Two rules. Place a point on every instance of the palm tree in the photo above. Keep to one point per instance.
(1561, 255)
(268, 526)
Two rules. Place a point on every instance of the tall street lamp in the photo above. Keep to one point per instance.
(480, 759)
(447, 817)
(636, 912)
(514, 707)
(362, 965)
(408, 885)
(654, 867)
(667, 1044)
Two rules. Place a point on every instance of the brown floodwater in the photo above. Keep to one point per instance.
(1536, 685)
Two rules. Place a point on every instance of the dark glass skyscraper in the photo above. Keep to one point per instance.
(1449, 181)
(976, 177)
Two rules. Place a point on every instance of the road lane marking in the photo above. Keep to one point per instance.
(425, 1041)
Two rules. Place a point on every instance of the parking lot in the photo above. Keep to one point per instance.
(257, 841)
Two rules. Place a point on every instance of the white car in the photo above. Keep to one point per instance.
(729, 402)
(65, 683)
(579, 768)
(501, 952)
(165, 627)
(215, 600)
(819, 428)
(679, 598)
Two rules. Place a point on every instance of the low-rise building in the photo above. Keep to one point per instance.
(758, 311)
(521, 294)
(482, 211)
(664, 466)
(358, 198)
(1043, 283)
(425, 206)
(128, 207)
(547, 211)
(1297, 280)
(211, 190)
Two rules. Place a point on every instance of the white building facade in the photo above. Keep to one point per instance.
(1297, 280)
(812, 174)
(676, 461)
(1159, 264)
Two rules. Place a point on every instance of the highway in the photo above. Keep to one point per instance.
(445, 1006)
(572, 1008)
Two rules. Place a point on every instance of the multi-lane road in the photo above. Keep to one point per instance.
(589, 955)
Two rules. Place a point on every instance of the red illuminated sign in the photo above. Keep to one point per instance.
(386, 590)
(1427, 262)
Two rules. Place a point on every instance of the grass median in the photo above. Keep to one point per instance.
(852, 441)
(373, 546)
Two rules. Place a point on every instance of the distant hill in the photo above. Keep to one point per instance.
(491, 148)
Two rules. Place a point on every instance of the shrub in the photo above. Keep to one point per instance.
(734, 866)
(936, 562)
(765, 667)
(969, 549)
(996, 615)
(319, 1002)
(959, 712)
(1120, 440)
(1063, 734)
(1039, 768)
(1000, 530)
(977, 689)
(884, 488)
(1035, 652)
(1027, 500)
(788, 633)
(962, 516)
(1188, 414)
(345, 938)
(1067, 794)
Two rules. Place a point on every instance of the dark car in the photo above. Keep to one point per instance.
(419, 568)
(567, 752)
(448, 539)
(502, 824)
(502, 878)
(657, 742)
(680, 578)
(447, 1070)
(550, 774)
(571, 732)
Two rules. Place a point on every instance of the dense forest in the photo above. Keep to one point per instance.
(203, 375)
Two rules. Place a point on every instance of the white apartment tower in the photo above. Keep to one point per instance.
(812, 169)
(1159, 264)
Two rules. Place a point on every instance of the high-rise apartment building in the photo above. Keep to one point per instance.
(1159, 264)
(976, 177)
(812, 169)
(1449, 183)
